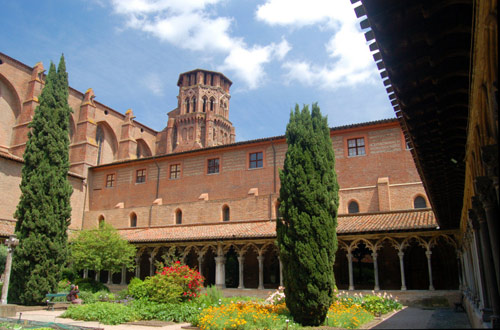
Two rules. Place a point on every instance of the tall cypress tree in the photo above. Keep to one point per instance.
(307, 237)
(44, 209)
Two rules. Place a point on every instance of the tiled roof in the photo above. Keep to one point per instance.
(411, 220)
(7, 227)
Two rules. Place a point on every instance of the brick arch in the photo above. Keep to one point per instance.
(10, 108)
(107, 145)
(353, 200)
(143, 149)
(421, 196)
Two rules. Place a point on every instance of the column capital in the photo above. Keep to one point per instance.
(241, 259)
(374, 255)
(428, 253)
(220, 260)
(489, 156)
(478, 209)
(260, 258)
(401, 254)
(485, 191)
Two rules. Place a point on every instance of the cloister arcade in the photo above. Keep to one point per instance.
(397, 261)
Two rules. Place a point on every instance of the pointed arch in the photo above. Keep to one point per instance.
(10, 108)
(132, 220)
(107, 144)
(226, 216)
(143, 149)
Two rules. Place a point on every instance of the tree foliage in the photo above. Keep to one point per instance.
(306, 233)
(44, 209)
(102, 249)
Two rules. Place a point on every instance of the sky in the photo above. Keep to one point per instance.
(277, 53)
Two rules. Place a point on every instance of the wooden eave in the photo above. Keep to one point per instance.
(423, 52)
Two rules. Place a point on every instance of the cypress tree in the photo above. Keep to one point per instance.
(44, 209)
(306, 233)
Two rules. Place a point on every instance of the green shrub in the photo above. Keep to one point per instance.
(137, 289)
(104, 312)
(378, 304)
(87, 297)
(63, 285)
(89, 284)
(171, 312)
(163, 289)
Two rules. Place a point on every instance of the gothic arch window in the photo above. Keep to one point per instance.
(211, 80)
(100, 220)
(194, 104)
(204, 78)
(225, 213)
(142, 149)
(419, 203)
(353, 207)
(205, 101)
(187, 104)
(133, 219)
(277, 210)
(212, 104)
(99, 138)
(178, 217)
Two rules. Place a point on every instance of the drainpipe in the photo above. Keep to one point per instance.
(157, 189)
(85, 185)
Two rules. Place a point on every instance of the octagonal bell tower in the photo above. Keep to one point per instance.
(202, 116)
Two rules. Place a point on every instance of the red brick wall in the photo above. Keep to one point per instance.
(383, 179)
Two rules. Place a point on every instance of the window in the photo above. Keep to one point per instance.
(225, 213)
(419, 203)
(110, 180)
(175, 171)
(178, 217)
(212, 102)
(187, 105)
(356, 146)
(140, 176)
(194, 104)
(353, 207)
(256, 159)
(100, 220)
(133, 220)
(213, 166)
(205, 103)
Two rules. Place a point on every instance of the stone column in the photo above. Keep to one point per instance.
(260, 258)
(428, 254)
(200, 264)
(220, 274)
(479, 260)
(489, 272)
(85, 273)
(241, 284)
(281, 271)
(402, 270)
(487, 195)
(351, 278)
(138, 266)
(375, 271)
(110, 277)
(11, 243)
(123, 280)
(98, 276)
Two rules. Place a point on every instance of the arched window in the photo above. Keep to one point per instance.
(194, 104)
(278, 213)
(212, 104)
(100, 220)
(187, 105)
(133, 219)
(99, 138)
(419, 203)
(353, 207)
(205, 103)
(225, 213)
(211, 80)
(178, 217)
(204, 78)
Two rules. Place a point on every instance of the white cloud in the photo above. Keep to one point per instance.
(154, 83)
(350, 59)
(189, 24)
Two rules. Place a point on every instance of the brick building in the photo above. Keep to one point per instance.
(214, 200)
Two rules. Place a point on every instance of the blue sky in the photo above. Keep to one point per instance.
(276, 52)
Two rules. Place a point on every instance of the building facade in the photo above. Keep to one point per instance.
(193, 190)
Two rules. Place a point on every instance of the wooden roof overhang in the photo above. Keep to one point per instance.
(423, 52)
